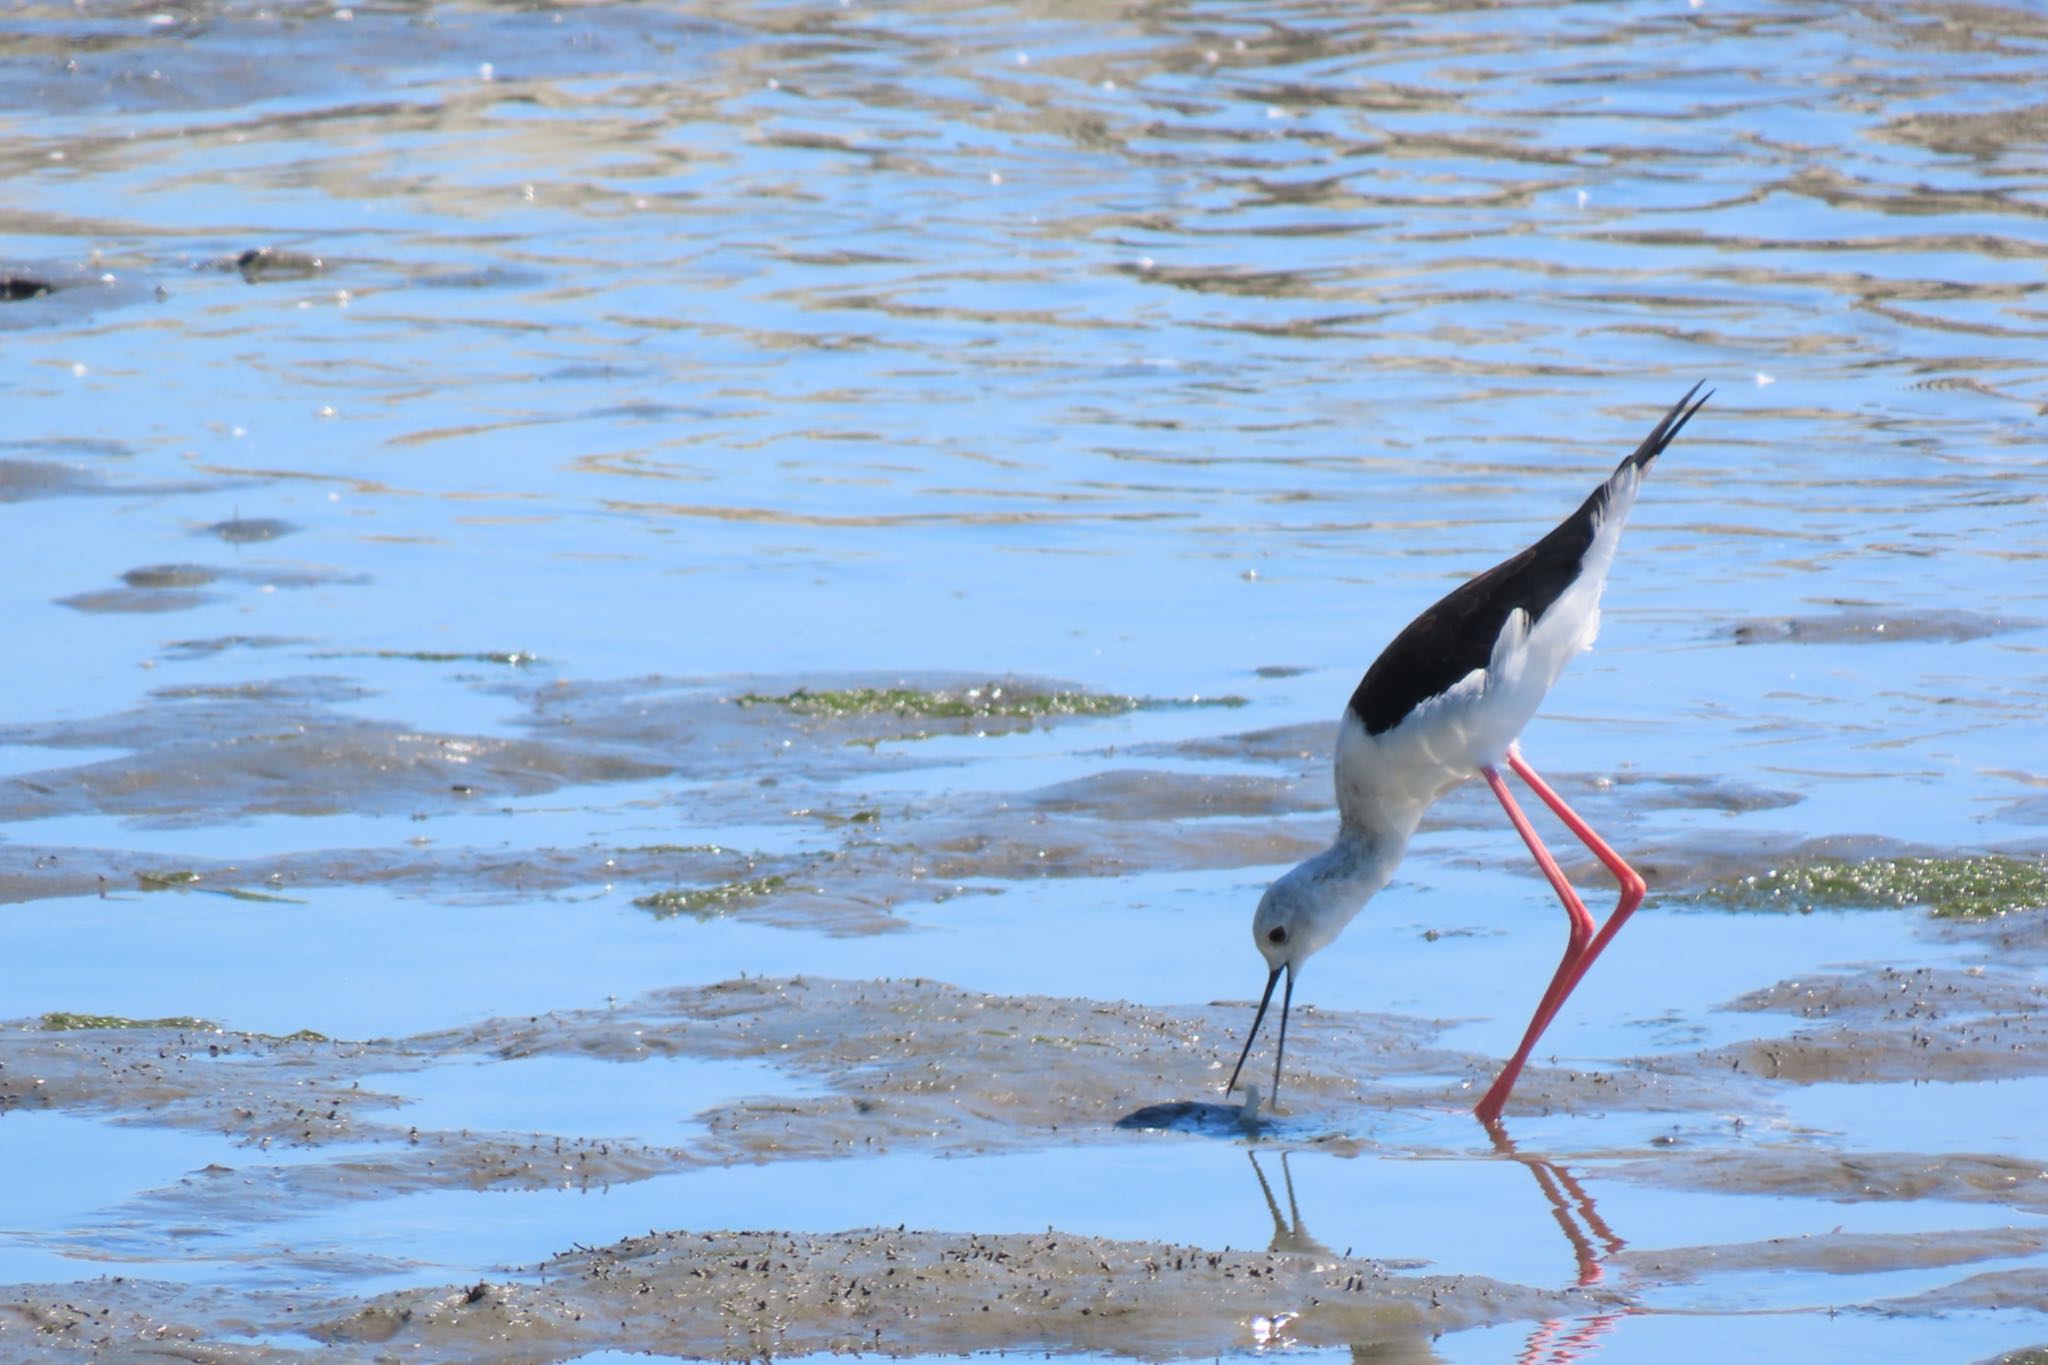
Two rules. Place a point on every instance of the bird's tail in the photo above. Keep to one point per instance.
(1612, 500)
(1662, 435)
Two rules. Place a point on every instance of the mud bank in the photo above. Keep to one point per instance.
(914, 1067)
(905, 1292)
(894, 1062)
(728, 1295)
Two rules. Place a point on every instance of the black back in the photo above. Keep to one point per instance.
(1457, 635)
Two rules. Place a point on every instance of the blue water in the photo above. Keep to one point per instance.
(1140, 351)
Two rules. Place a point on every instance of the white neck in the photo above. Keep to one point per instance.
(1334, 885)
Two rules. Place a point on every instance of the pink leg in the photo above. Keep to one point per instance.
(1633, 887)
(1581, 935)
(1582, 947)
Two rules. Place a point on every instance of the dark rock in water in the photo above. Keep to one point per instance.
(261, 263)
(136, 600)
(1189, 1116)
(218, 644)
(14, 288)
(175, 587)
(250, 530)
(23, 479)
(170, 576)
(483, 277)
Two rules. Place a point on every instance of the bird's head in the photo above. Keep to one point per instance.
(1301, 914)
(1292, 922)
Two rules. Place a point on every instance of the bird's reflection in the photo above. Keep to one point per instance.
(1288, 1233)
(1592, 1241)
(1555, 1340)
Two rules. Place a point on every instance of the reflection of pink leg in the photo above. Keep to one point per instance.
(1561, 1209)
(1581, 947)
(1579, 1343)
(1538, 1344)
(1595, 1224)
(1570, 1202)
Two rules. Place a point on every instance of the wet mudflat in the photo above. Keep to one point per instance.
(656, 656)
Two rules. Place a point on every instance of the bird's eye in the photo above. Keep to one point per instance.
(1276, 935)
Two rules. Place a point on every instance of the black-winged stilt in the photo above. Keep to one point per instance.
(1446, 701)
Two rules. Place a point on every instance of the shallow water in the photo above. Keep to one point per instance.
(380, 605)
(1479, 1217)
(576, 1097)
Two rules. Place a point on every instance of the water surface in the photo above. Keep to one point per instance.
(429, 422)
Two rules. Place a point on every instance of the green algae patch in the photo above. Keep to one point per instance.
(995, 701)
(709, 901)
(834, 820)
(65, 1021)
(184, 879)
(263, 897)
(61, 1021)
(304, 1035)
(1970, 887)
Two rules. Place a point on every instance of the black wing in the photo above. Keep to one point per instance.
(1457, 635)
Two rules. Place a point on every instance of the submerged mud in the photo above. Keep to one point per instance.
(1853, 626)
(912, 1063)
(904, 1066)
(836, 858)
(1787, 1169)
(854, 1070)
(919, 1067)
(1890, 1024)
(887, 1065)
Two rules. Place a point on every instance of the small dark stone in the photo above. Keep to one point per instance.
(274, 263)
(170, 576)
(250, 530)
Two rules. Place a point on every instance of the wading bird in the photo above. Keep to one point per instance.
(1445, 702)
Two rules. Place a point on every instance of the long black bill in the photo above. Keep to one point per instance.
(1286, 1002)
(1286, 1008)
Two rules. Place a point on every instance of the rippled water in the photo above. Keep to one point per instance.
(1178, 352)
